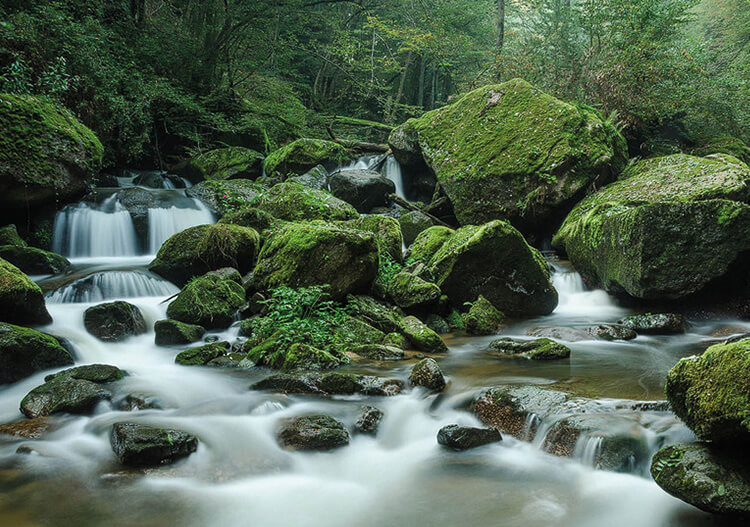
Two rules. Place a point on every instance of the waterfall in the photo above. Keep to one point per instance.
(112, 285)
(575, 299)
(392, 170)
(88, 230)
(164, 222)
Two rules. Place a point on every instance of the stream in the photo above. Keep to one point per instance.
(240, 476)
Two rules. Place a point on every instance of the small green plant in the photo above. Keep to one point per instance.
(388, 268)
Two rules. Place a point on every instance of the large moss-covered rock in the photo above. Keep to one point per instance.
(422, 337)
(512, 152)
(312, 432)
(233, 162)
(494, 261)
(277, 352)
(387, 233)
(31, 260)
(427, 374)
(317, 253)
(63, 394)
(710, 392)
(140, 445)
(203, 248)
(711, 479)
(21, 300)
(378, 314)
(114, 321)
(364, 189)
(725, 145)
(226, 196)
(25, 351)
(483, 318)
(666, 230)
(209, 301)
(413, 223)
(410, 292)
(168, 332)
(315, 178)
(428, 242)
(9, 236)
(293, 202)
(46, 154)
(303, 154)
(202, 355)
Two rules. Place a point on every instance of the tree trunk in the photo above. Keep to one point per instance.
(400, 92)
(500, 25)
(420, 96)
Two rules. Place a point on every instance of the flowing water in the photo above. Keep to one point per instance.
(240, 476)
(386, 165)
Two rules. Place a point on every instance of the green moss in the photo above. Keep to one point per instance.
(34, 261)
(227, 163)
(202, 355)
(204, 248)
(168, 332)
(25, 351)
(252, 218)
(294, 202)
(409, 291)
(710, 392)
(422, 337)
(39, 137)
(397, 340)
(303, 154)
(208, 301)
(455, 320)
(483, 318)
(21, 300)
(318, 253)
(725, 145)
(428, 243)
(526, 150)
(226, 196)
(387, 233)
(355, 331)
(9, 236)
(276, 352)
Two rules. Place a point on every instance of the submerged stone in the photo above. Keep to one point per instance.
(538, 349)
(139, 445)
(312, 432)
(464, 437)
(114, 321)
(369, 420)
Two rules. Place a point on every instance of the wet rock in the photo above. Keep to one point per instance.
(561, 333)
(357, 331)
(422, 337)
(204, 248)
(538, 349)
(303, 154)
(234, 162)
(413, 223)
(28, 428)
(312, 432)
(298, 383)
(427, 373)
(655, 324)
(276, 352)
(99, 373)
(208, 301)
(483, 318)
(710, 392)
(437, 324)
(379, 352)
(378, 314)
(202, 355)
(307, 254)
(169, 332)
(365, 189)
(410, 292)
(139, 445)
(429, 242)
(712, 479)
(34, 261)
(397, 340)
(224, 196)
(114, 321)
(21, 300)
(232, 360)
(463, 437)
(330, 384)
(386, 231)
(292, 202)
(611, 332)
(251, 218)
(134, 402)
(315, 178)
(63, 394)
(369, 420)
(25, 351)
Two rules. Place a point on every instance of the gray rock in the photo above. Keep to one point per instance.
(365, 189)
(312, 432)
(537, 349)
(413, 223)
(464, 437)
(114, 321)
(369, 420)
(655, 324)
(427, 373)
(63, 394)
(139, 445)
(316, 178)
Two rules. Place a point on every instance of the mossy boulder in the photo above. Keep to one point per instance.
(63, 394)
(428, 242)
(21, 300)
(458, 437)
(378, 314)
(427, 374)
(46, 154)
(252, 218)
(714, 480)
(413, 223)
(139, 445)
(483, 318)
(379, 352)
(312, 432)
(532, 155)
(98, 373)
(710, 393)
(368, 420)
(315, 178)
(356, 331)
(114, 321)
(410, 292)
(203, 248)
(278, 353)
(168, 332)
(234, 162)
(208, 301)
(364, 189)
(303, 154)
(494, 261)
(331, 383)
(671, 226)
(292, 202)
(24, 352)
(397, 340)
(655, 323)
(318, 253)
(386, 231)
(9, 236)
(725, 145)
(202, 355)
(422, 337)
(537, 349)
(226, 196)
(31, 260)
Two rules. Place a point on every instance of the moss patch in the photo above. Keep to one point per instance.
(303, 154)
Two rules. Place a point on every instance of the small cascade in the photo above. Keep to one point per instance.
(588, 449)
(91, 230)
(164, 222)
(392, 170)
(112, 285)
(575, 299)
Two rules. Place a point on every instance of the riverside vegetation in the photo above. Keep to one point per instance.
(505, 295)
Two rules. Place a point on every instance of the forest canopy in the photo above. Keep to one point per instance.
(162, 79)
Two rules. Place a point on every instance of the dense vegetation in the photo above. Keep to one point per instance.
(159, 79)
